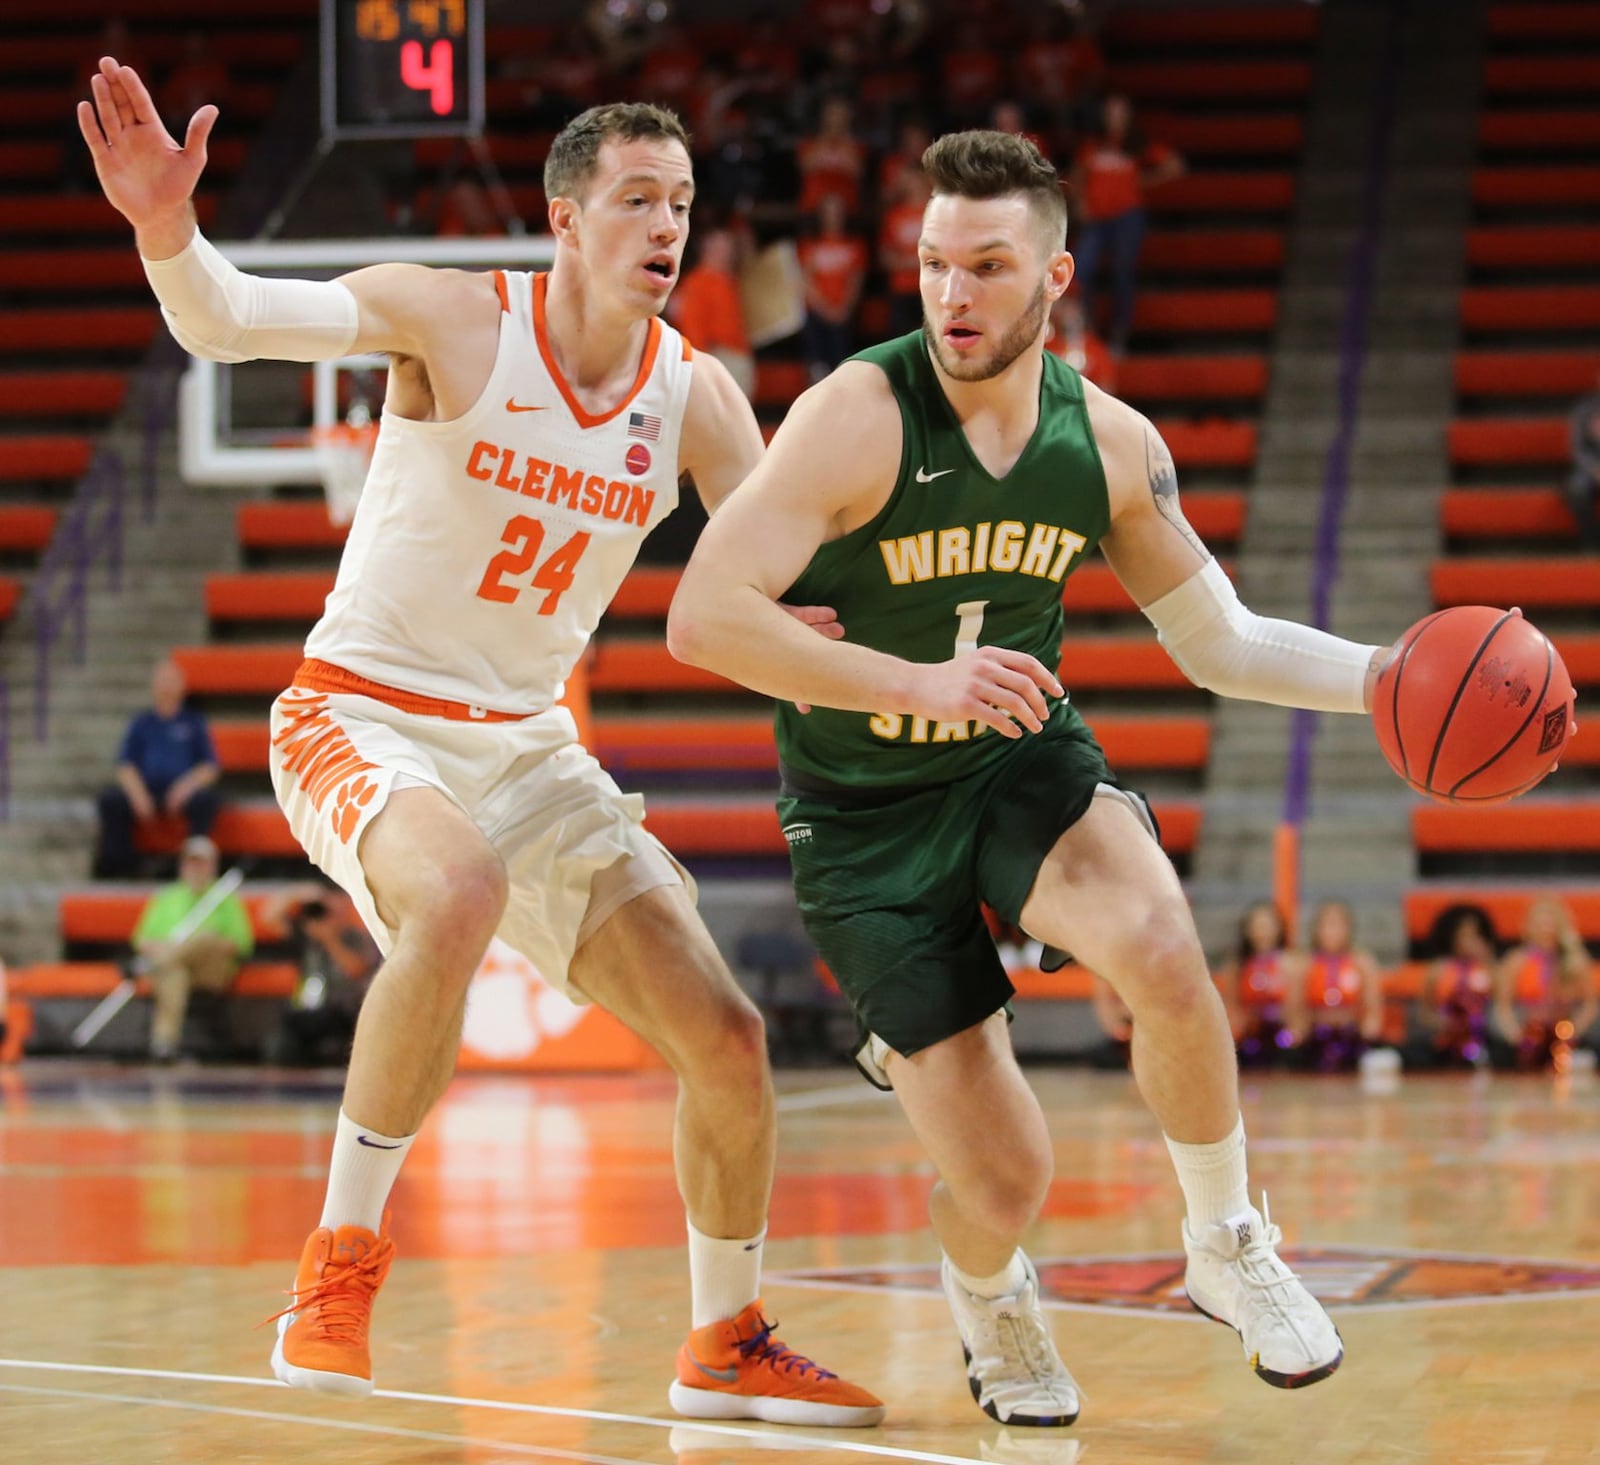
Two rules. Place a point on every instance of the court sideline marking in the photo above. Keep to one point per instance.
(460, 1401)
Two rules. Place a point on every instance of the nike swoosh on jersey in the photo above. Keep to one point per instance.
(923, 476)
(512, 405)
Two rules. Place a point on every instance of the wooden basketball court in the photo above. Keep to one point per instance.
(148, 1222)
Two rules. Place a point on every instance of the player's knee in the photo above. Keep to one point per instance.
(461, 908)
(1162, 968)
(1007, 1196)
(735, 1040)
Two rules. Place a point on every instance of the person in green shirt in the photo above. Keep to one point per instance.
(935, 492)
(208, 958)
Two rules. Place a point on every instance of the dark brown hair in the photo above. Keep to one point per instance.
(982, 164)
(575, 154)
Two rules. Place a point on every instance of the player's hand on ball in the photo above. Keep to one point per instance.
(1000, 688)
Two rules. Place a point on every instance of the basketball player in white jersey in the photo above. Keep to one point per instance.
(534, 431)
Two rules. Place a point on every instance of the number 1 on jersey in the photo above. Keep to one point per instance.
(969, 624)
(525, 537)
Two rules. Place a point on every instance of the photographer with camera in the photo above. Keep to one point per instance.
(336, 959)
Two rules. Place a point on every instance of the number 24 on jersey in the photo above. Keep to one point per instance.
(524, 538)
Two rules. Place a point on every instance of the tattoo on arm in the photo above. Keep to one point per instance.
(1164, 490)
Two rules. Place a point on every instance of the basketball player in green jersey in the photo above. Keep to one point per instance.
(936, 491)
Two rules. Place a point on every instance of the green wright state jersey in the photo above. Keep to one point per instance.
(956, 558)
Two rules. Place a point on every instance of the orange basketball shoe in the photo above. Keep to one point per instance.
(322, 1334)
(736, 1369)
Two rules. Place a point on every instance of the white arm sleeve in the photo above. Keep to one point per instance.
(1220, 645)
(222, 314)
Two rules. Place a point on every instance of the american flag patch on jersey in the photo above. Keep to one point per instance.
(642, 424)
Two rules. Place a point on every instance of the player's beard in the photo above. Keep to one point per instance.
(1021, 334)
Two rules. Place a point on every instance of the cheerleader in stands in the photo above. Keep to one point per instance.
(1544, 992)
(1457, 992)
(1336, 1012)
(1256, 980)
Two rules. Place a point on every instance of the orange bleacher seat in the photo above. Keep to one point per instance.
(96, 328)
(288, 524)
(1210, 444)
(22, 107)
(1506, 513)
(1510, 440)
(1071, 983)
(1536, 581)
(1524, 825)
(1527, 21)
(152, 12)
(1224, 193)
(1582, 656)
(1162, 82)
(249, 49)
(108, 915)
(78, 270)
(1522, 246)
(1198, 135)
(93, 980)
(1152, 378)
(1507, 905)
(268, 595)
(26, 526)
(255, 828)
(238, 670)
(1212, 251)
(1234, 26)
(1542, 76)
(1564, 185)
(646, 593)
(52, 456)
(519, 151)
(86, 213)
(1219, 312)
(1527, 373)
(29, 160)
(10, 595)
(1541, 131)
(1531, 307)
(60, 393)
(241, 745)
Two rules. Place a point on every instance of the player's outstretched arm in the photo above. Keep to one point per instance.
(213, 309)
(1217, 642)
(839, 446)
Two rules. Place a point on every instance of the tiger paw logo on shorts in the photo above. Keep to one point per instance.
(348, 803)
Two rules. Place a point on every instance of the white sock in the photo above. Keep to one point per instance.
(365, 1164)
(1213, 1177)
(1007, 1282)
(724, 1275)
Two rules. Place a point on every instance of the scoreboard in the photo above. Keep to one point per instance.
(401, 68)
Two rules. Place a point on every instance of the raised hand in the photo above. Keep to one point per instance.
(1000, 688)
(146, 176)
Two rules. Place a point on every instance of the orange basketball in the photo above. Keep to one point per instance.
(1475, 707)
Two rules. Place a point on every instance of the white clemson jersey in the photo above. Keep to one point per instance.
(485, 549)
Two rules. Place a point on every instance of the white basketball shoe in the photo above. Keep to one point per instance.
(1235, 1277)
(1013, 1368)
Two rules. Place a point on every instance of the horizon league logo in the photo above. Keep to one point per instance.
(1555, 729)
(797, 834)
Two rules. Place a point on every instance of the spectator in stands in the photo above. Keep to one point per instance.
(206, 959)
(1256, 980)
(195, 80)
(1009, 116)
(1583, 488)
(708, 310)
(166, 765)
(1544, 990)
(911, 142)
(1060, 70)
(898, 234)
(671, 71)
(1336, 1012)
(834, 263)
(972, 74)
(1072, 340)
(832, 160)
(1110, 177)
(336, 958)
(1457, 990)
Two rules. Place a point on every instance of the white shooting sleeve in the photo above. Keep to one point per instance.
(222, 314)
(1219, 644)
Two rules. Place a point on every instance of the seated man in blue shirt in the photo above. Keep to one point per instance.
(166, 765)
